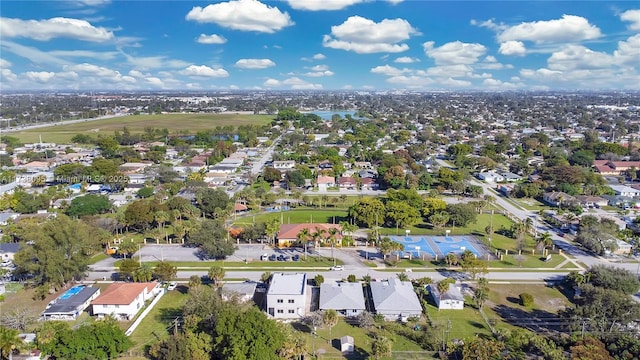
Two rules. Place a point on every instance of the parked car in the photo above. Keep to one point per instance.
(273, 257)
(296, 258)
(264, 257)
(337, 268)
(172, 285)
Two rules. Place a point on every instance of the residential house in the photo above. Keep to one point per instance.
(37, 166)
(344, 297)
(452, 299)
(347, 182)
(5, 217)
(8, 250)
(608, 167)
(510, 177)
(287, 296)
(624, 190)
(395, 299)
(325, 182)
(124, 300)
(241, 291)
(624, 248)
(558, 198)
(490, 177)
(133, 167)
(288, 233)
(588, 201)
(71, 304)
(284, 165)
(369, 184)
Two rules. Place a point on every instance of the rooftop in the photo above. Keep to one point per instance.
(287, 284)
(122, 293)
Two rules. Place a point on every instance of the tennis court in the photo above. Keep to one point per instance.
(431, 246)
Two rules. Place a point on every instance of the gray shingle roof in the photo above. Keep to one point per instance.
(341, 295)
(394, 295)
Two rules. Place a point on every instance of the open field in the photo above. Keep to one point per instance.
(175, 123)
(297, 216)
(157, 324)
(465, 323)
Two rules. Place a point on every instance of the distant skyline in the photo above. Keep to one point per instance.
(319, 45)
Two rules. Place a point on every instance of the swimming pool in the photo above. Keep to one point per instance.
(71, 292)
(419, 245)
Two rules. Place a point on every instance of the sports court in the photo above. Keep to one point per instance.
(432, 246)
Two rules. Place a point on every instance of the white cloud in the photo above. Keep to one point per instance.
(365, 36)
(388, 70)
(31, 53)
(315, 5)
(153, 62)
(91, 69)
(244, 15)
(40, 76)
(4, 64)
(155, 81)
(319, 73)
(102, 55)
(314, 57)
(94, 2)
(59, 27)
(6, 75)
(254, 63)
(495, 84)
(574, 57)
(454, 52)
(568, 28)
(211, 39)
(627, 52)
(632, 16)
(204, 71)
(395, 2)
(295, 83)
(406, 60)
(512, 47)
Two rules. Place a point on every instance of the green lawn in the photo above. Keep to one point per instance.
(157, 324)
(465, 323)
(531, 204)
(528, 261)
(361, 338)
(297, 216)
(175, 123)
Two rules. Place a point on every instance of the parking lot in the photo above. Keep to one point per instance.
(181, 253)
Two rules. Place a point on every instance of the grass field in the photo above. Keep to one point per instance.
(175, 123)
(465, 323)
(157, 324)
(297, 216)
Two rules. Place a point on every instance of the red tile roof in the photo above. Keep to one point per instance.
(326, 180)
(122, 293)
(291, 231)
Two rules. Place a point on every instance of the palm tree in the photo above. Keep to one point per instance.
(545, 240)
(403, 277)
(317, 235)
(9, 341)
(443, 286)
(216, 274)
(330, 319)
(333, 232)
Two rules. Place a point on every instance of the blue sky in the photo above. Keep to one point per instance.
(319, 45)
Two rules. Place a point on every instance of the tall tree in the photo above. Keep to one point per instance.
(9, 342)
(330, 319)
(212, 202)
(216, 275)
(381, 347)
(211, 237)
(165, 271)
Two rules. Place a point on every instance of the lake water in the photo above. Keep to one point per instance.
(327, 115)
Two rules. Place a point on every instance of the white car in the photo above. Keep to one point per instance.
(337, 268)
(172, 285)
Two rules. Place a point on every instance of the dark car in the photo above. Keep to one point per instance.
(285, 258)
(296, 258)
(280, 257)
(273, 257)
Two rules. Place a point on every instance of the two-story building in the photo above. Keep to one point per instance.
(287, 296)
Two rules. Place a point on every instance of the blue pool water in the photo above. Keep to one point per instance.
(438, 245)
(71, 292)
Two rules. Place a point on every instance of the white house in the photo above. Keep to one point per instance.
(452, 299)
(124, 300)
(344, 297)
(287, 296)
(242, 291)
(490, 177)
(284, 165)
(395, 299)
(624, 190)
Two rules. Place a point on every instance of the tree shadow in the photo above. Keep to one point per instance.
(369, 254)
(535, 320)
(477, 325)
(513, 300)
